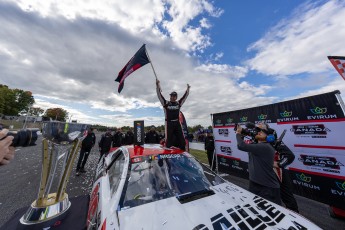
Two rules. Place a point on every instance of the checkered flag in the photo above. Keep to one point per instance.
(339, 64)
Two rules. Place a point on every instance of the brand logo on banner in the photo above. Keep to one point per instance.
(323, 162)
(223, 162)
(318, 110)
(243, 119)
(340, 186)
(303, 177)
(286, 116)
(319, 113)
(225, 149)
(218, 122)
(223, 132)
(304, 181)
(318, 129)
(236, 165)
(229, 121)
(262, 117)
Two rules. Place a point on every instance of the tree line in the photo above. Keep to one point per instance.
(15, 102)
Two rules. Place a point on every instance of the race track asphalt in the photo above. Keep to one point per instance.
(20, 182)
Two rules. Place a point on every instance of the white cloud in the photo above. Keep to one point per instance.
(256, 90)
(235, 72)
(303, 42)
(137, 16)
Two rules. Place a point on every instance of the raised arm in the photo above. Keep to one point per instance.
(159, 94)
(184, 97)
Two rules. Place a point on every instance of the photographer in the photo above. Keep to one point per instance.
(262, 179)
(6, 151)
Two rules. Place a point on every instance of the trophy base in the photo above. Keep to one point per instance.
(47, 215)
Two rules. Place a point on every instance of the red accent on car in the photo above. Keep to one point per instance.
(104, 225)
(137, 151)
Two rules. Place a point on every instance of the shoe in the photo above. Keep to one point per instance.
(82, 170)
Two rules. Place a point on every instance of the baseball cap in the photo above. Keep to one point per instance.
(173, 93)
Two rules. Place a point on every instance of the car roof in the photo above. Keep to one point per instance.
(150, 150)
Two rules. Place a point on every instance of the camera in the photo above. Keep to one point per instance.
(23, 137)
(250, 130)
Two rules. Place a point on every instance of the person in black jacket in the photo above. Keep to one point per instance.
(86, 146)
(118, 138)
(129, 137)
(173, 129)
(105, 143)
(152, 137)
(209, 147)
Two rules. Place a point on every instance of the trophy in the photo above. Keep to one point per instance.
(59, 149)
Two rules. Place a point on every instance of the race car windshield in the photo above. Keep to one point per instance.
(165, 176)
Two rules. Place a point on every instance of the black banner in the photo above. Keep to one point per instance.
(139, 133)
(319, 107)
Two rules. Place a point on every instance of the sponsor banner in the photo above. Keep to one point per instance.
(314, 133)
(234, 166)
(317, 187)
(223, 133)
(223, 148)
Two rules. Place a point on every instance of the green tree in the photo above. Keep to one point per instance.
(14, 101)
(36, 111)
(58, 114)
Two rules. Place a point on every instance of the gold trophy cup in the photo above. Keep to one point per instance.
(60, 146)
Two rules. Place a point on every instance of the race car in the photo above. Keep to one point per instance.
(153, 187)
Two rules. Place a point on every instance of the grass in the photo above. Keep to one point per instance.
(200, 155)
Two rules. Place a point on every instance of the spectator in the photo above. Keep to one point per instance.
(129, 137)
(6, 151)
(209, 147)
(152, 136)
(105, 143)
(118, 138)
(160, 135)
(172, 111)
(262, 179)
(86, 146)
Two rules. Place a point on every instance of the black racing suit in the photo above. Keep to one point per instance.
(173, 130)
(286, 157)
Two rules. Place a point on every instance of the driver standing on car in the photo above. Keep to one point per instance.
(262, 179)
(173, 129)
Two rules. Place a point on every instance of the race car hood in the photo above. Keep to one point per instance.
(231, 207)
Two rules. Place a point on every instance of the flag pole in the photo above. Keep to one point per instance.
(151, 63)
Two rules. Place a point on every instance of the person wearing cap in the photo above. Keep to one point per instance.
(173, 130)
(262, 178)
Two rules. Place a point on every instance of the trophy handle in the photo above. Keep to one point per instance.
(46, 166)
(64, 179)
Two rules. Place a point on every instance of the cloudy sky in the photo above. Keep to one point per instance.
(234, 54)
